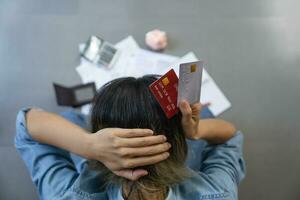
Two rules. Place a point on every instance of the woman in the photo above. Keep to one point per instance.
(135, 153)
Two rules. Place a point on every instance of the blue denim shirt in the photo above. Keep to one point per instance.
(58, 175)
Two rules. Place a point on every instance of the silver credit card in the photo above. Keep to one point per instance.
(189, 86)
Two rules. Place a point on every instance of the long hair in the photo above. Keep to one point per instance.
(128, 103)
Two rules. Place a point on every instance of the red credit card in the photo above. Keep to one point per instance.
(165, 92)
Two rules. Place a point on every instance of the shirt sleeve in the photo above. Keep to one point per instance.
(51, 169)
(224, 163)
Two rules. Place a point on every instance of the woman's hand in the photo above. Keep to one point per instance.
(214, 131)
(120, 150)
(190, 119)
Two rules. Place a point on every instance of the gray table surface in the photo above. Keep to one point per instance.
(252, 49)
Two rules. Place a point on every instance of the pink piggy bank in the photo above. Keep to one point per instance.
(156, 40)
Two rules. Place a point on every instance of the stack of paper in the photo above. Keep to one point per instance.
(136, 62)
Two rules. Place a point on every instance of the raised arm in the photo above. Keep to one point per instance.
(49, 128)
(214, 131)
(222, 159)
(118, 149)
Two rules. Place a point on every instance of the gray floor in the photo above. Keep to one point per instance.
(252, 49)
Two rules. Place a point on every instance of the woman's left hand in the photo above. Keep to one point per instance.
(121, 150)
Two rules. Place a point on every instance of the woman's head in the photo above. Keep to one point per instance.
(128, 103)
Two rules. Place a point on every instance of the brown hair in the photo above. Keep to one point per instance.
(128, 103)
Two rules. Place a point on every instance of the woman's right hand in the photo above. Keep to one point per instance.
(120, 150)
(214, 131)
(190, 119)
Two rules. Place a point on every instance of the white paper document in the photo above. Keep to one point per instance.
(90, 72)
(136, 62)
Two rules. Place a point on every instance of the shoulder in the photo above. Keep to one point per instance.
(200, 186)
(90, 186)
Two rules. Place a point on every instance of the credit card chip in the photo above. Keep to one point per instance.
(193, 68)
(165, 81)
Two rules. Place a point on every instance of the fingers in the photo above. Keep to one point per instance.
(142, 161)
(189, 112)
(129, 133)
(138, 173)
(185, 109)
(142, 141)
(130, 174)
(196, 109)
(145, 151)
